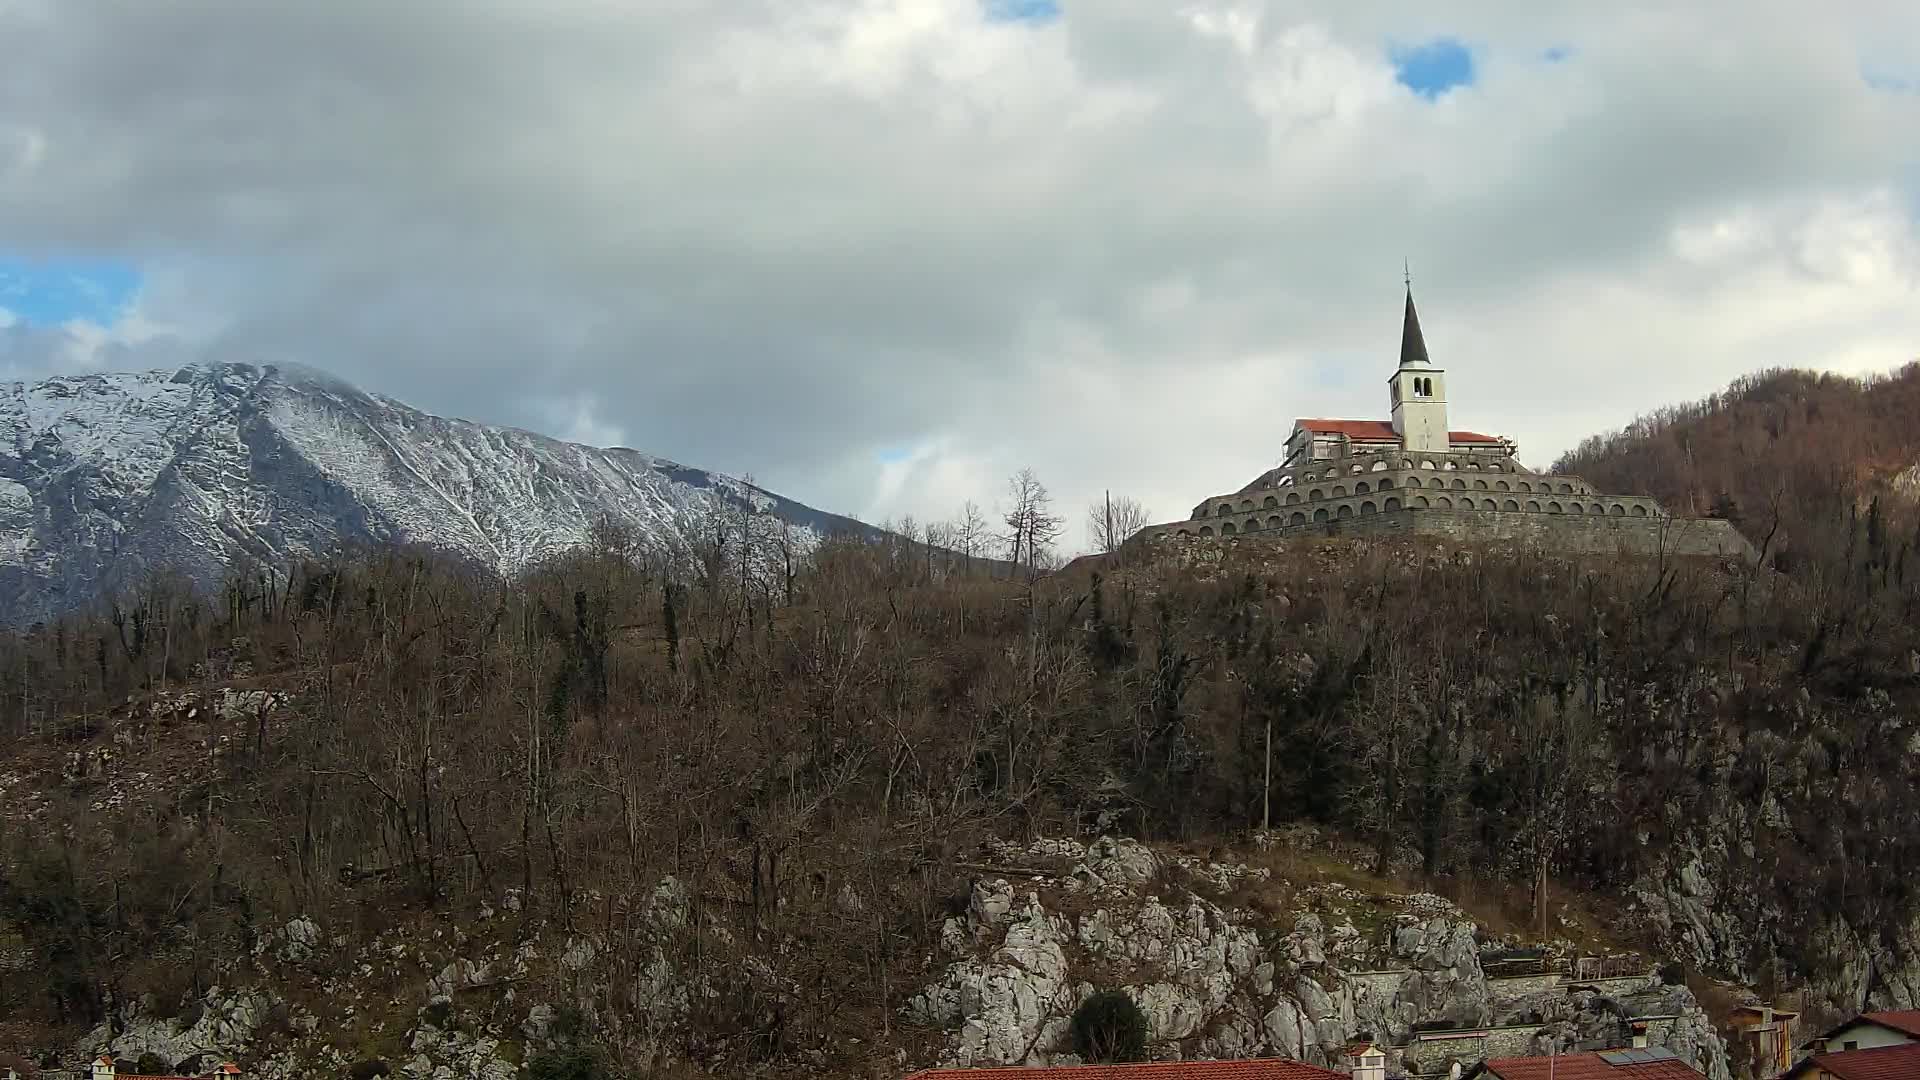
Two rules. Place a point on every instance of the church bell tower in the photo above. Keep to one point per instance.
(1419, 391)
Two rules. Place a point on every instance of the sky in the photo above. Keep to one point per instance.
(880, 254)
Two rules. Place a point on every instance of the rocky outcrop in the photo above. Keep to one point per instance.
(1220, 981)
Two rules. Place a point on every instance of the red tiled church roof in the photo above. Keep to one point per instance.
(1257, 1069)
(1588, 1066)
(1880, 1063)
(1381, 431)
(1904, 1020)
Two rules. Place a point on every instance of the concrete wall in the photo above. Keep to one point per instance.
(1506, 990)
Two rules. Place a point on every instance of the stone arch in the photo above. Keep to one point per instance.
(1639, 510)
(1206, 530)
(1509, 505)
(1459, 484)
(1246, 504)
(1227, 528)
(1407, 463)
(1566, 489)
(1617, 510)
(1596, 508)
(1184, 534)
(1339, 490)
(1298, 518)
(1503, 485)
(1443, 503)
(1356, 467)
(1285, 481)
(1225, 509)
(1269, 502)
(1361, 488)
(1496, 467)
(1316, 493)
(1346, 510)
(1474, 466)
(1553, 507)
(1479, 485)
(1413, 482)
(1320, 514)
(1425, 464)
(1390, 504)
(1448, 466)
(1253, 524)
(1368, 508)
(1420, 502)
(1486, 505)
(1380, 465)
(1524, 486)
(1533, 505)
(1274, 522)
(1385, 483)
(1292, 497)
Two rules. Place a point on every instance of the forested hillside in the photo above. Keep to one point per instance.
(800, 759)
(1790, 453)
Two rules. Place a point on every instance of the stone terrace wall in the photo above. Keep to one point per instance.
(1567, 533)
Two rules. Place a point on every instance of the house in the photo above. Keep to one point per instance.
(1635, 1063)
(1768, 1035)
(1251, 1069)
(1870, 1030)
(1896, 1062)
(103, 1068)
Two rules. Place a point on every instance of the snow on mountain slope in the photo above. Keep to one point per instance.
(105, 479)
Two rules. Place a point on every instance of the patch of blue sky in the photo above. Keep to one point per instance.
(1434, 67)
(1030, 11)
(48, 292)
(1557, 54)
(894, 455)
(1891, 82)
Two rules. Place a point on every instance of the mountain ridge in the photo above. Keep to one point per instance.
(106, 478)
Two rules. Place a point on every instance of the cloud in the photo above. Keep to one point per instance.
(1123, 243)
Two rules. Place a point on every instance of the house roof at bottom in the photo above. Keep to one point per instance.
(1880, 1063)
(1381, 431)
(1903, 1020)
(1590, 1065)
(1253, 1069)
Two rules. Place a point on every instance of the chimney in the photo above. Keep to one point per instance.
(1369, 1062)
(102, 1067)
(1639, 1036)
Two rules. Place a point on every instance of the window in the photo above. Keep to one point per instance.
(1361, 488)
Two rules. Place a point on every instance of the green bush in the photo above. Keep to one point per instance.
(152, 1064)
(1108, 1027)
(568, 1065)
(368, 1069)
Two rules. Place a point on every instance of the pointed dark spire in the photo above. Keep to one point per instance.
(1413, 346)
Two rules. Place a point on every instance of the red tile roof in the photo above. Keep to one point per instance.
(1904, 1020)
(1588, 1066)
(1879, 1063)
(1381, 431)
(1260, 1069)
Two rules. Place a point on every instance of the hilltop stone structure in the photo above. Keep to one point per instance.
(1413, 474)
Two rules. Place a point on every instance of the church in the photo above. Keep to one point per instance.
(1414, 474)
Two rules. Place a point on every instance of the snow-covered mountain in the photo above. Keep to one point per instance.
(107, 478)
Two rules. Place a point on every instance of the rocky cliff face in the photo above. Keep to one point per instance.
(105, 479)
(1219, 981)
(1217, 969)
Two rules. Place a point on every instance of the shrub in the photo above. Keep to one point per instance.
(368, 1069)
(152, 1064)
(1672, 973)
(1108, 1027)
(567, 1065)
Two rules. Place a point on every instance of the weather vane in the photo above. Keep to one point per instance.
(1409, 273)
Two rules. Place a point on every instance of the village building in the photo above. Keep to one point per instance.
(1633, 1063)
(1872, 1030)
(1767, 1033)
(1414, 474)
(1247, 1069)
(1898, 1062)
(105, 1067)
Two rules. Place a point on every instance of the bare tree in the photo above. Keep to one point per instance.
(1032, 527)
(970, 533)
(1112, 520)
